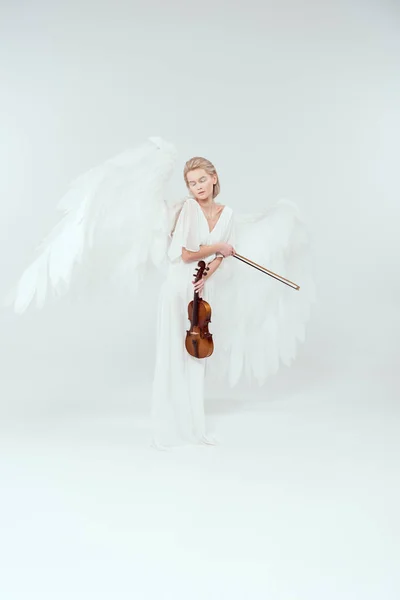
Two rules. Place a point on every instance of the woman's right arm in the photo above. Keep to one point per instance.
(205, 251)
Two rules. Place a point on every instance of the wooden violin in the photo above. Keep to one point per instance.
(199, 342)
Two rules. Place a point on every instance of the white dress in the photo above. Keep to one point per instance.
(178, 384)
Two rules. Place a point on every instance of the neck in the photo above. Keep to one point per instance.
(206, 202)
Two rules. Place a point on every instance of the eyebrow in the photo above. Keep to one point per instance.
(194, 181)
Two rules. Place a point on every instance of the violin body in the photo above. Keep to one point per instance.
(199, 341)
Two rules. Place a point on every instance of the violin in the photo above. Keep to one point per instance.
(199, 342)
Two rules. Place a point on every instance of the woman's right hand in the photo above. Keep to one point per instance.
(226, 249)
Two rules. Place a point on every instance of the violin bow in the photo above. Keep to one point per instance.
(249, 262)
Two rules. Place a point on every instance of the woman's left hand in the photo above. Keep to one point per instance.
(199, 285)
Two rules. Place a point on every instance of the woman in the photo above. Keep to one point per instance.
(203, 231)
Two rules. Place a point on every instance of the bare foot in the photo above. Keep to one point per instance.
(209, 440)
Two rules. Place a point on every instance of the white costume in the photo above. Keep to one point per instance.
(116, 225)
(178, 386)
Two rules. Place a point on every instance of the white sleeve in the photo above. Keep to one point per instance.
(186, 233)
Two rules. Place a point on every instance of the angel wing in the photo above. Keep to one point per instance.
(114, 224)
(263, 320)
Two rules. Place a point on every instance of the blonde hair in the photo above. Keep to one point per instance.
(198, 162)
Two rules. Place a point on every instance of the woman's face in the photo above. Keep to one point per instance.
(201, 184)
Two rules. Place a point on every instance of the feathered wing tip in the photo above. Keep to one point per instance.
(269, 316)
(114, 222)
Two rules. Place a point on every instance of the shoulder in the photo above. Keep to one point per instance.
(187, 205)
(188, 213)
(190, 200)
(190, 204)
(227, 210)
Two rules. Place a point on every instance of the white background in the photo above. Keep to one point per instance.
(289, 99)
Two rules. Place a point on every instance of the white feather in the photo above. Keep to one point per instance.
(272, 315)
(114, 224)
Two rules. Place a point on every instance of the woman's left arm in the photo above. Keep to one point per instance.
(213, 266)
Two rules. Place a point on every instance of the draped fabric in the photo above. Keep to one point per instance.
(186, 233)
(178, 384)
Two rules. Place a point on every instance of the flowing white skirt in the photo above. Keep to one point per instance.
(178, 384)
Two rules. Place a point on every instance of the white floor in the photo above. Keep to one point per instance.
(300, 501)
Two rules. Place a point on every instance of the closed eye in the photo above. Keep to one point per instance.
(202, 180)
